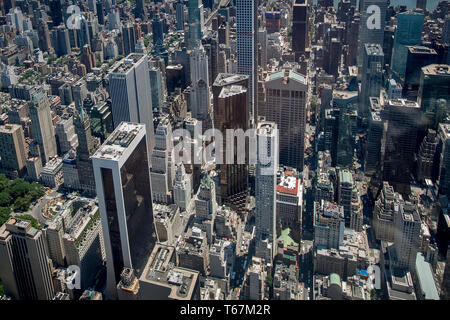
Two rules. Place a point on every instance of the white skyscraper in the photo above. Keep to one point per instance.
(246, 36)
(129, 83)
(266, 183)
(182, 188)
(122, 181)
(407, 235)
(163, 171)
(200, 92)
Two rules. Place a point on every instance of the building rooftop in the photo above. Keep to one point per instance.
(286, 238)
(403, 103)
(288, 74)
(421, 50)
(426, 279)
(161, 270)
(118, 141)
(344, 94)
(345, 176)
(9, 128)
(231, 91)
(330, 210)
(228, 78)
(127, 63)
(289, 184)
(373, 49)
(437, 70)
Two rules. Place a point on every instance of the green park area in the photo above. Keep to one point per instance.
(17, 195)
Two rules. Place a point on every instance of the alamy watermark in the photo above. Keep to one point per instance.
(72, 277)
(236, 146)
(374, 19)
(374, 281)
(75, 18)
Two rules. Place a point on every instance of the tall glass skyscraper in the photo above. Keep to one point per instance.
(195, 21)
(122, 181)
(408, 33)
(246, 36)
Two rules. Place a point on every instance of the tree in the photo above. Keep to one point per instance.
(269, 281)
(4, 182)
(5, 198)
(21, 204)
(19, 188)
(4, 214)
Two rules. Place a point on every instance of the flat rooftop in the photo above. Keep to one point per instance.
(118, 141)
(403, 103)
(161, 270)
(228, 78)
(374, 49)
(289, 185)
(127, 63)
(426, 279)
(10, 128)
(231, 91)
(437, 70)
(421, 50)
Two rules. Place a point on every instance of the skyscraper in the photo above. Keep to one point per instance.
(328, 224)
(179, 7)
(42, 128)
(401, 134)
(416, 58)
(62, 43)
(266, 183)
(371, 26)
(372, 158)
(246, 41)
(434, 86)
(44, 36)
(129, 38)
(182, 188)
(200, 94)
(444, 163)
(345, 189)
(129, 84)
(85, 149)
(195, 21)
(157, 30)
(12, 149)
(140, 10)
(156, 87)
(286, 98)
(163, 170)
(407, 235)
(371, 76)
(426, 156)
(300, 28)
(122, 181)
(24, 265)
(386, 208)
(421, 4)
(408, 33)
(232, 113)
